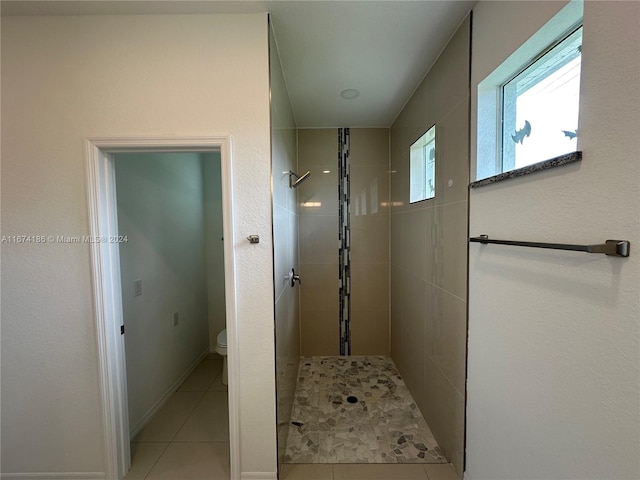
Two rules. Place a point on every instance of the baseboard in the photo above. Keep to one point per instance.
(146, 418)
(54, 476)
(259, 476)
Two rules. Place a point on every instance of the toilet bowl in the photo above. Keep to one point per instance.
(221, 348)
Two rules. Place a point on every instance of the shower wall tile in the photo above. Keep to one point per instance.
(369, 146)
(370, 286)
(318, 194)
(369, 331)
(319, 332)
(370, 239)
(318, 239)
(413, 334)
(397, 287)
(317, 147)
(443, 408)
(414, 243)
(369, 190)
(319, 286)
(429, 248)
(446, 334)
(397, 237)
(452, 144)
(451, 271)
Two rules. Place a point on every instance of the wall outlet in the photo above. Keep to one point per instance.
(137, 287)
(175, 319)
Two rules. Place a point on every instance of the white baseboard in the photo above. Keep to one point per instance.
(259, 476)
(54, 476)
(146, 418)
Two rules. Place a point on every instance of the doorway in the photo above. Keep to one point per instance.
(108, 299)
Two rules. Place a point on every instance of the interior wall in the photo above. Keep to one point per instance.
(160, 211)
(214, 246)
(66, 78)
(318, 238)
(429, 249)
(554, 336)
(285, 246)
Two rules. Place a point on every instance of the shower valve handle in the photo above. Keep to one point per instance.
(294, 278)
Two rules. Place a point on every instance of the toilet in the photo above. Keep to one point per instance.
(221, 348)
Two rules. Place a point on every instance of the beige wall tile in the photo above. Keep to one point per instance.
(317, 147)
(452, 276)
(318, 194)
(318, 239)
(369, 146)
(319, 289)
(369, 190)
(443, 409)
(369, 331)
(446, 334)
(370, 286)
(320, 332)
(396, 307)
(413, 334)
(396, 237)
(370, 239)
(414, 243)
(452, 157)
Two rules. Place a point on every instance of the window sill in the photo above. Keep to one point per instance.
(536, 167)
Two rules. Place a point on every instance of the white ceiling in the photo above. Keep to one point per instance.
(381, 48)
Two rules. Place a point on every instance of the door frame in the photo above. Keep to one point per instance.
(107, 293)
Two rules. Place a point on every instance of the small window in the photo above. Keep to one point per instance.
(540, 106)
(423, 167)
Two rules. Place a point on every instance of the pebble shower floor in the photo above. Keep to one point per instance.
(356, 410)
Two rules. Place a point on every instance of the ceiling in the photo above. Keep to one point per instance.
(383, 49)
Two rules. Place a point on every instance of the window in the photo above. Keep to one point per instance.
(540, 106)
(423, 167)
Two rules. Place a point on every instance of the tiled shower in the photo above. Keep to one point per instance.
(408, 262)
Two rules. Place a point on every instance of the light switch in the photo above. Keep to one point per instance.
(137, 285)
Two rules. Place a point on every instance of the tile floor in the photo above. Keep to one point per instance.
(188, 439)
(356, 410)
(368, 472)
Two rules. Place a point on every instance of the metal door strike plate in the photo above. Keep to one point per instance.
(253, 239)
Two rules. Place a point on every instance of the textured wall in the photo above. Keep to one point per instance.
(65, 79)
(554, 337)
(285, 246)
(160, 209)
(429, 249)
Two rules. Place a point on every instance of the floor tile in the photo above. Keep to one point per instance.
(379, 472)
(143, 458)
(193, 461)
(209, 421)
(306, 472)
(166, 422)
(217, 385)
(203, 376)
(441, 472)
(356, 409)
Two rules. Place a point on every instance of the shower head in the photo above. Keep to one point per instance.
(299, 179)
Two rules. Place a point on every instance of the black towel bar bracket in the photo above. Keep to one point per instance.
(615, 248)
